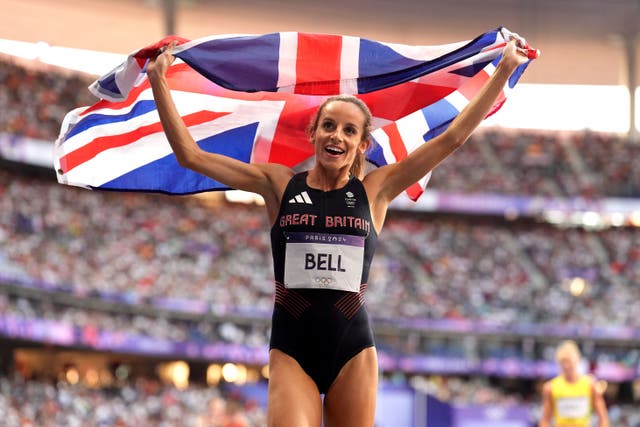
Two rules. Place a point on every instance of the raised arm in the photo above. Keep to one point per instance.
(268, 180)
(385, 183)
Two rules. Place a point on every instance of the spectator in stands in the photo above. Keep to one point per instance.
(570, 398)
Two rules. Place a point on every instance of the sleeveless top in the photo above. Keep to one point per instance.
(323, 239)
(322, 244)
(571, 401)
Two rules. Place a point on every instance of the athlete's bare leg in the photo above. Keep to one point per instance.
(294, 399)
(351, 399)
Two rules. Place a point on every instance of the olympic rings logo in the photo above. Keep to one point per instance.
(323, 281)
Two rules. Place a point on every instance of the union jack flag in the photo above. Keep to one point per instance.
(251, 97)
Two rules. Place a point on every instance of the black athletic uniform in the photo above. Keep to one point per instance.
(322, 244)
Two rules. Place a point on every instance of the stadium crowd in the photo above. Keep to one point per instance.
(33, 101)
(147, 246)
(145, 401)
(541, 163)
(94, 327)
(139, 402)
(90, 321)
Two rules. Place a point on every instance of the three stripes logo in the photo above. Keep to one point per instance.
(301, 198)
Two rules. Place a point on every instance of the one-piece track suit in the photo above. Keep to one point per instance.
(322, 244)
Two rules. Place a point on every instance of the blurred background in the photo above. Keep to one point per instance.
(121, 309)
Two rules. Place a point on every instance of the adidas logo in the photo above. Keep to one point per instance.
(302, 198)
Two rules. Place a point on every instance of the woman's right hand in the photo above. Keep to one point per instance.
(158, 66)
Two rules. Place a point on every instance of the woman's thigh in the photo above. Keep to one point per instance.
(351, 399)
(293, 398)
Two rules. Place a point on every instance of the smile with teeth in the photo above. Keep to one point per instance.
(333, 150)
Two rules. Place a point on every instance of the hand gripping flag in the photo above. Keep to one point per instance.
(251, 97)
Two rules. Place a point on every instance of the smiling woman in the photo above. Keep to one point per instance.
(348, 141)
(325, 225)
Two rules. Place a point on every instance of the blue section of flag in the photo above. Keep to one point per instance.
(108, 84)
(470, 70)
(92, 120)
(439, 113)
(165, 175)
(390, 68)
(375, 154)
(517, 74)
(247, 63)
(378, 66)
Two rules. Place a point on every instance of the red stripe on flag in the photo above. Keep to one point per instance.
(290, 144)
(400, 152)
(152, 50)
(472, 86)
(395, 141)
(311, 78)
(407, 98)
(414, 191)
(141, 62)
(498, 104)
(98, 145)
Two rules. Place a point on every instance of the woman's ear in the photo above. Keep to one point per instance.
(364, 145)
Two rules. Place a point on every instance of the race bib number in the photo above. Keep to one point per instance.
(573, 407)
(323, 261)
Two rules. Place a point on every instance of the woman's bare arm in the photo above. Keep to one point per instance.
(385, 183)
(268, 180)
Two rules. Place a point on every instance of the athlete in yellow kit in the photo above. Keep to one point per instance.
(571, 398)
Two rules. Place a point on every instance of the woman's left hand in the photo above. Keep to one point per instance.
(515, 53)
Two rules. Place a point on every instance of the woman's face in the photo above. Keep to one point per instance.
(338, 136)
(569, 363)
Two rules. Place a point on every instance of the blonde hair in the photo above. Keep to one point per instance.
(357, 168)
(568, 346)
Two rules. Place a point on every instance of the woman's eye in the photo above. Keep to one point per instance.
(327, 125)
